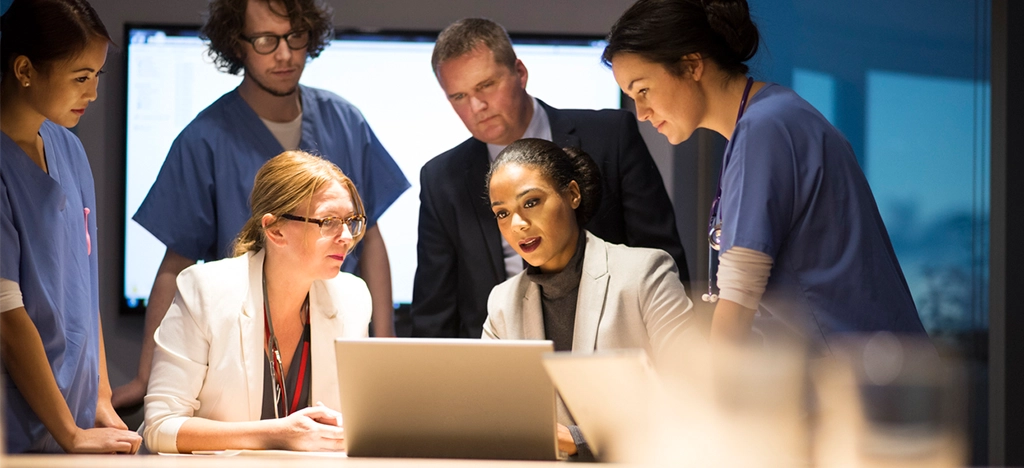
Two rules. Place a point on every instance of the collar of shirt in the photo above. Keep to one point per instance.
(288, 134)
(540, 127)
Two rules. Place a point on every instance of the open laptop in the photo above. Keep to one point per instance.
(611, 396)
(447, 398)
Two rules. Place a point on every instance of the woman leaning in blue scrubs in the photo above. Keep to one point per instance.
(57, 397)
(795, 221)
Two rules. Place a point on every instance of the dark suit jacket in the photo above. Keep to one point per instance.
(459, 245)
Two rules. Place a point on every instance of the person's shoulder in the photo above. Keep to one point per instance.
(210, 290)
(459, 156)
(212, 117)
(777, 107)
(320, 94)
(589, 118)
(327, 100)
(624, 255)
(221, 274)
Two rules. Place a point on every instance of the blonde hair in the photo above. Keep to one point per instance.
(282, 184)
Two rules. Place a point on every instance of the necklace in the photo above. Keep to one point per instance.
(714, 219)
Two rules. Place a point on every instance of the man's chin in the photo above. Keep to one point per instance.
(284, 90)
(493, 137)
(281, 92)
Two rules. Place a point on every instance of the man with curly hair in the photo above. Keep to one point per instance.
(199, 201)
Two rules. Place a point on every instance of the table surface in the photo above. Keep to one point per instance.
(267, 460)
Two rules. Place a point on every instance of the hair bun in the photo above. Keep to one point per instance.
(588, 176)
(730, 19)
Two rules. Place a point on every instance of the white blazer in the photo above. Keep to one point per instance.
(628, 298)
(209, 355)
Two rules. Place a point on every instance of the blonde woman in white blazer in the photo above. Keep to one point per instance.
(227, 375)
(579, 291)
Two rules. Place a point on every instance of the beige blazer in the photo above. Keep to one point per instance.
(209, 354)
(628, 298)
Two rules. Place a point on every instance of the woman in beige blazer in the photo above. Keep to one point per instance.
(245, 357)
(579, 291)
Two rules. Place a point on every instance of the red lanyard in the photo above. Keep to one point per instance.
(273, 350)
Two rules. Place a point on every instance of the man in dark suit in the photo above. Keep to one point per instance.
(461, 254)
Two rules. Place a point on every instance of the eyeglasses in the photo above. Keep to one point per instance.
(267, 43)
(330, 227)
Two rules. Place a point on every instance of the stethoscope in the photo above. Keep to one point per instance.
(715, 217)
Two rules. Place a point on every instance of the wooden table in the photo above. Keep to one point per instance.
(275, 460)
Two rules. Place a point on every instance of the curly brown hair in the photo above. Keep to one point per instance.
(226, 22)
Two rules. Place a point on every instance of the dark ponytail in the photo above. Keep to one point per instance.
(48, 31)
(663, 31)
(560, 166)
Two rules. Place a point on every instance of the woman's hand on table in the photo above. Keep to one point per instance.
(103, 440)
(314, 429)
(565, 441)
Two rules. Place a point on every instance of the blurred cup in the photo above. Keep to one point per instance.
(887, 400)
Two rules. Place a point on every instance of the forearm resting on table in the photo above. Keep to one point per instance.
(205, 434)
(26, 363)
(316, 428)
(376, 271)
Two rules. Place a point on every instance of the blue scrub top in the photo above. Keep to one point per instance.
(48, 247)
(200, 199)
(792, 189)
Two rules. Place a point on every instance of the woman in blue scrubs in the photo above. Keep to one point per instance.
(57, 396)
(795, 222)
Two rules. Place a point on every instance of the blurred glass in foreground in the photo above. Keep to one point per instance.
(884, 400)
(874, 400)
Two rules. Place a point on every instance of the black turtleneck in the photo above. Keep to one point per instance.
(559, 293)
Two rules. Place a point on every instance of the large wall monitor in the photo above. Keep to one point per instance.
(387, 76)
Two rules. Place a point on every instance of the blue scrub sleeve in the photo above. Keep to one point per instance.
(758, 188)
(179, 209)
(10, 240)
(381, 181)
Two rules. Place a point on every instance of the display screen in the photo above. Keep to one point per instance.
(388, 77)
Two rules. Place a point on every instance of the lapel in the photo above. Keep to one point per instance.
(476, 195)
(533, 314)
(593, 290)
(563, 131)
(322, 333)
(250, 325)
